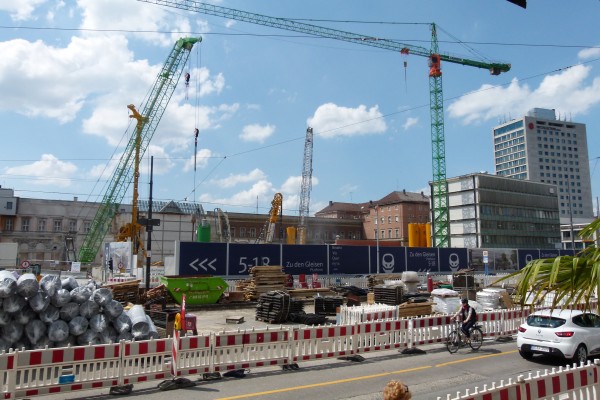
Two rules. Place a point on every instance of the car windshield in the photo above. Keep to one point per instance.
(545, 321)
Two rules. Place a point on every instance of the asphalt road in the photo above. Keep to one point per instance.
(433, 373)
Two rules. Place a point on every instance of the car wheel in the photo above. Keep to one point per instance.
(580, 356)
(526, 354)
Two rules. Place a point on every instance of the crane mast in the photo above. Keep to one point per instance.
(440, 220)
(152, 112)
(306, 185)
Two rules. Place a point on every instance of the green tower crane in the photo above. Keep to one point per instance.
(152, 112)
(440, 217)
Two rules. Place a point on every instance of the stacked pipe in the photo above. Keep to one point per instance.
(57, 312)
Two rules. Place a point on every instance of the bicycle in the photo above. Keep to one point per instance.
(456, 339)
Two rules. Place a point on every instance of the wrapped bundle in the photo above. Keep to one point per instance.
(60, 298)
(8, 284)
(139, 322)
(27, 285)
(88, 309)
(69, 311)
(102, 296)
(88, 337)
(122, 323)
(109, 335)
(35, 330)
(5, 318)
(58, 331)
(78, 325)
(12, 332)
(81, 294)
(113, 309)
(43, 343)
(25, 315)
(49, 315)
(98, 323)
(127, 336)
(13, 304)
(4, 345)
(69, 341)
(39, 302)
(50, 284)
(69, 283)
(153, 332)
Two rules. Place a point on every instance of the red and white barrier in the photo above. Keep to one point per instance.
(577, 382)
(7, 375)
(145, 361)
(428, 330)
(380, 335)
(51, 371)
(194, 355)
(318, 342)
(252, 348)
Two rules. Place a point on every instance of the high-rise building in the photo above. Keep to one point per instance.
(541, 148)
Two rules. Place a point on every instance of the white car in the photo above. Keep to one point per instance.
(572, 334)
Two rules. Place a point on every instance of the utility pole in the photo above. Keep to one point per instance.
(149, 223)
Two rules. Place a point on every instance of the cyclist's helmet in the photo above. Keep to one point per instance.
(465, 301)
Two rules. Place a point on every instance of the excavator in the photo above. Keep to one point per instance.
(268, 230)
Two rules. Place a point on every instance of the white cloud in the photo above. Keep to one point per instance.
(410, 122)
(568, 90)
(202, 157)
(48, 171)
(20, 10)
(235, 179)
(331, 120)
(257, 133)
(149, 20)
(589, 53)
(246, 198)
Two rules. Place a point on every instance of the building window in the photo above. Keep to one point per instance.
(72, 225)
(42, 225)
(397, 218)
(87, 225)
(9, 205)
(252, 232)
(389, 220)
(57, 225)
(397, 233)
(389, 233)
(242, 232)
(8, 225)
(25, 224)
(382, 234)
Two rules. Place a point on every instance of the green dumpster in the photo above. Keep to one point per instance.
(197, 289)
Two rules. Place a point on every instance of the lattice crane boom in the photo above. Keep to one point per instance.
(440, 219)
(152, 112)
(305, 186)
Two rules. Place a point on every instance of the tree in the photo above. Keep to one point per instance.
(572, 279)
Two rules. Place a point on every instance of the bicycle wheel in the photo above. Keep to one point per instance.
(453, 342)
(476, 338)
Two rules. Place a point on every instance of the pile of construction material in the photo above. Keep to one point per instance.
(276, 307)
(379, 279)
(328, 305)
(57, 312)
(390, 293)
(447, 301)
(263, 279)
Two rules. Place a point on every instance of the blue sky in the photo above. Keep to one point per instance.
(69, 69)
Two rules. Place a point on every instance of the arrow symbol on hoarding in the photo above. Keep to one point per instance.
(201, 265)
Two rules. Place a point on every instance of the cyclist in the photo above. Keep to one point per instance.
(467, 316)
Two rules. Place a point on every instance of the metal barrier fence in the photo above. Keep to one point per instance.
(37, 372)
(576, 383)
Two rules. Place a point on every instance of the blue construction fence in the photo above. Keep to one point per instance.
(236, 259)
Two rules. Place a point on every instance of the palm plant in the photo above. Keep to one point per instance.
(572, 279)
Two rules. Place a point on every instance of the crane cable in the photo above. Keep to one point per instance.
(196, 112)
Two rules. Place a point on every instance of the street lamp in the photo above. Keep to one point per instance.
(371, 205)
